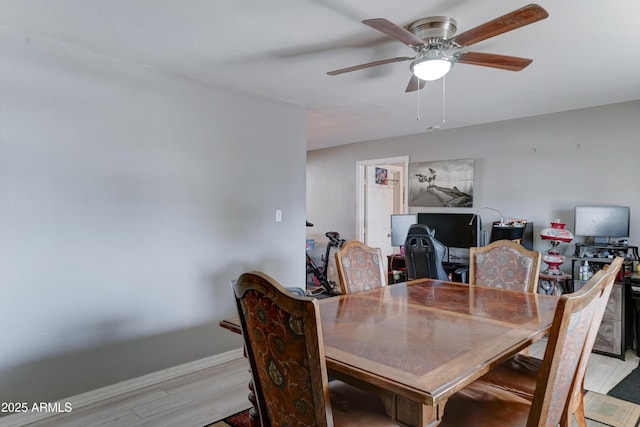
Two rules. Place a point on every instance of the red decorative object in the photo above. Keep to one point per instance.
(555, 235)
(557, 232)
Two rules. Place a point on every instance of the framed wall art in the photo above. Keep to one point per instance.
(381, 176)
(445, 183)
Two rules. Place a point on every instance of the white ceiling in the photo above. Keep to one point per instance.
(586, 53)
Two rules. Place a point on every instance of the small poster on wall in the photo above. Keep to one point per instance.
(446, 183)
(381, 176)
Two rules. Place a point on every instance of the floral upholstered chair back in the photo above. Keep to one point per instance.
(360, 267)
(571, 339)
(283, 342)
(504, 265)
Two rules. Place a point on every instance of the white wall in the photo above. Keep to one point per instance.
(129, 199)
(537, 168)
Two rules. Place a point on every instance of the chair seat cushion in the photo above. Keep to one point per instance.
(352, 406)
(483, 405)
(518, 375)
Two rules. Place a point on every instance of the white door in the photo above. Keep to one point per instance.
(377, 201)
(378, 209)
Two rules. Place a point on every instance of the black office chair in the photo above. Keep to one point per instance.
(424, 254)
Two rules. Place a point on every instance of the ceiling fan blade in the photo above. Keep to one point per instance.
(395, 31)
(368, 65)
(415, 84)
(503, 62)
(516, 19)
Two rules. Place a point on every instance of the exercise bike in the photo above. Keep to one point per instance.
(320, 272)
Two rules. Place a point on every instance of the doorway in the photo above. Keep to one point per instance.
(381, 189)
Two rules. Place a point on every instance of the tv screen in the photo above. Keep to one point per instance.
(400, 224)
(452, 229)
(602, 221)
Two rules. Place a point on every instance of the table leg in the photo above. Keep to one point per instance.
(412, 413)
(254, 415)
(233, 325)
(401, 409)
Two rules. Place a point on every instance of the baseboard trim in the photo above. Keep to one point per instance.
(100, 394)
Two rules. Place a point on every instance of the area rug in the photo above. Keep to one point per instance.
(610, 410)
(241, 419)
(629, 388)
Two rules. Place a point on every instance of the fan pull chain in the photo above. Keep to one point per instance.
(441, 125)
(418, 116)
(443, 98)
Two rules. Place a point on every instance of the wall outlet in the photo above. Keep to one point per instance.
(278, 215)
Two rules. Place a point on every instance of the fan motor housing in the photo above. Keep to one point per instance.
(441, 27)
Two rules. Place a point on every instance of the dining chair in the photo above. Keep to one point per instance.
(561, 373)
(283, 342)
(520, 373)
(504, 264)
(360, 267)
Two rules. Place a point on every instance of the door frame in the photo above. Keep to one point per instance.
(361, 167)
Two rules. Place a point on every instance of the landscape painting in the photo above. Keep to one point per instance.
(446, 183)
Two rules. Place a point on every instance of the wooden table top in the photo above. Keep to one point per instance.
(427, 339)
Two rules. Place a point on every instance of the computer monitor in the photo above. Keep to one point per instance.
(400, 224)
(454, 230)
(602, 222)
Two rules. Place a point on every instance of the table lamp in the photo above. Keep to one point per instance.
(555, 235)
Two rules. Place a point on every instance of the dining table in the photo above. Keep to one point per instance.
(417, 343)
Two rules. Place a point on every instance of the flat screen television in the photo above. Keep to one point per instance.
(454, 230)
(602, 222)
(400, 224)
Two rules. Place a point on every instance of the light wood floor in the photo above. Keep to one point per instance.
(603, 372)
(194, 399)
(212, 394)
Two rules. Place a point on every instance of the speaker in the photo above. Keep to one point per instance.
(512, 233)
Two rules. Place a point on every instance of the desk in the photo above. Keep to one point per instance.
(633, 312)
(417, 343)
(397, 263)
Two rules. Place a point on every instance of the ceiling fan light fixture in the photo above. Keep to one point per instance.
(430, 69)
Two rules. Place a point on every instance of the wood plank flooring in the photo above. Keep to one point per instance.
(194, 399)
(211, 394)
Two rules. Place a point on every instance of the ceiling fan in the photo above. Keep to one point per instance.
(437, 50)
